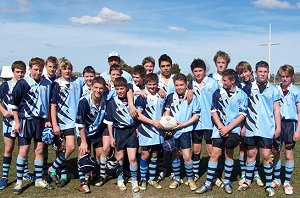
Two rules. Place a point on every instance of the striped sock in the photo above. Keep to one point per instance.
(176, 168)
(102, 165)
(143, 169)
(189, 170)
(45, 166)
(6, 166)
(133, 172)
(277, 168)
(119, 172)
(268, 169)
(228, 170)
(20, 168)
(81, 176)
(38, 168)
(211, 169)
(196, 163)
(152, 168)
(26, 167)
(256, 173)
(160, 161)
(242, 165)
(289, 167)
(60, 159)
(249, 171)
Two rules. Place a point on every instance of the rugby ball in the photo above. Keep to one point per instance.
(168, 122)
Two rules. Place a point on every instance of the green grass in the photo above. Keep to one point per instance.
(110, 188)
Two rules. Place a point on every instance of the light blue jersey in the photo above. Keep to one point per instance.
(85, 90)
(289, 102)
(260, 119)
(89, 116)
(182, 111)
(168, 88)
(65, 96)
(217, 77)
(125, 74)
(31, 99)
(204, 96)
(6, 89)
(229, 108)
(152, 108)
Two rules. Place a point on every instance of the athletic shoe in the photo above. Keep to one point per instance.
(3, 183)
(100, 181)
(242, 180)
(258, 180)
(121, 185)
(203, 189)
(276, 183)
(155, 184)
(143, 185)
(288, 189)
(244, 186)
(196, 177)
(162, 175)
(53, 176)
(219, 183)
(192, 185)
(28, 177)
(43, 184)
(174, 184)
(84, 188)
(135, 186)
(270, 191)
(228, 188)
(17, 188)
(62, 182)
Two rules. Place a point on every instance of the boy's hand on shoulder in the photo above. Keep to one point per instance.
(162, 93)
(189, 96)
(133, 112)
(143, 94)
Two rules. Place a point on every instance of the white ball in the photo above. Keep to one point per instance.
(168, 122)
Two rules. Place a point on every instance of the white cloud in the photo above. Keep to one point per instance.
(105, 15)
(177, 29)
(21, 7)
(269, 4)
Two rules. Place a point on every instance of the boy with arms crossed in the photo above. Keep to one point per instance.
(290, 126)
(150, 110)
(186, 114)
(30, 105)
(263, 123)
(229, 109)
(119, 121)
(89, 120)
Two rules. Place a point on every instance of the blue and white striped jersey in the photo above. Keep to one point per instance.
(168, 88)
(6, 89)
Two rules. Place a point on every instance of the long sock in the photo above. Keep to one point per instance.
(143, 169)
(119, 172)
(228, 170)
(249, 171)
(268, 169)
(20, 168)
(257, 162)
(38, 169)
(176, 168)
(160, 162)
(102, 165)
(277, 168)
(242, 165)
(6, 166)
(133, 172)
(196, 163)
(26, 167)
(289, 167)
(189, 170)
(45, 166)
(60, 159)
(81, 176)
(211, 169)
(152, 168)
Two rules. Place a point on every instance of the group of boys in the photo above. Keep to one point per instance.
(117, 110)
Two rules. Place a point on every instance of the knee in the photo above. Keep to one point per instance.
(70, 148)
(8, 151)
(39, 150)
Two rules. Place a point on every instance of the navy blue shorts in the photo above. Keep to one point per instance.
(288, 128)
(68, 132)
(229, 142)
(126, 138)
(152, 148)
(261, 142)
(31, 129)
(184, 141)
(199, 134)
(105, 132)
(9, 136)
(95, 141)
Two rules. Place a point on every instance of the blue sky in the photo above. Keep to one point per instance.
(85, 31)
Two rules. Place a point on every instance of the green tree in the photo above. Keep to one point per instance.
(175, 69)
(126, 67)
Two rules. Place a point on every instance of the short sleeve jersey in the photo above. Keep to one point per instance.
(229, 108)
(204, 96)
(217, 77)
(6, 89)
(125, 74)
(30, 98)
(66, 96)
(289, 102)
(182, 111)
(89, 116)
(260, 119)
(152, 108)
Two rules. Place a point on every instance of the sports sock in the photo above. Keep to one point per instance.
(196, 163)
(211, 169)
(189, 170)
(6, 166)
(289, 167)
(143, 169)
(20, 168)
(242, 165)
(133, 172)
(152, 168)
(249, 171)
(268, 169)
(228, 170)
(277, 168)
(102, 165)
(38, 169)
(119, 172)
(176, 168)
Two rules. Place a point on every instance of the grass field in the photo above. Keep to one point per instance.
(110, 189)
